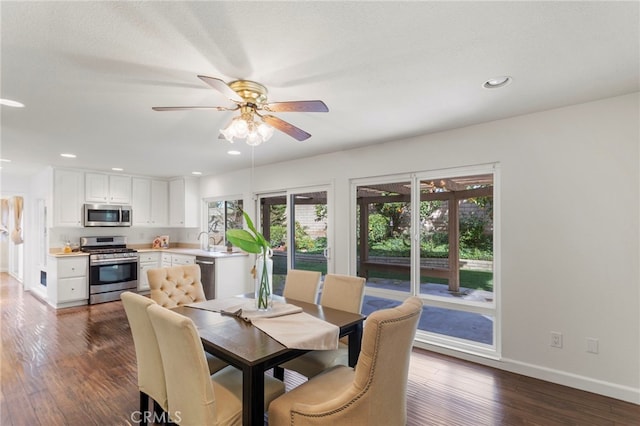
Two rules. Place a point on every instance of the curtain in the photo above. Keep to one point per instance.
(4, 217)
(16, 234)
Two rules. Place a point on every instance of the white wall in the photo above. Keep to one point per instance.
(573, 270)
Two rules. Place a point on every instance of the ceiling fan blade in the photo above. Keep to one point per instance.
(221, 87)
(217, 108)
(285, 127)
(291, 106)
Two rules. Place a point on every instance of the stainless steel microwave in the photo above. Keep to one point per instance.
(106, 215)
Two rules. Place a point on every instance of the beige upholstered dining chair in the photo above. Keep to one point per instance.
(151, 383)
(176, 285)
(194, 397)
(302, 285)
(342, 292)
(375, 393)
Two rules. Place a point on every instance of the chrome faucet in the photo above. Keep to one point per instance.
(210, 247)
(208, 240)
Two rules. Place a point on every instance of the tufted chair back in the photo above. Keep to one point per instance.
(375, 393)
(176, 286)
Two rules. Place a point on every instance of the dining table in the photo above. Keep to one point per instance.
(246, 347)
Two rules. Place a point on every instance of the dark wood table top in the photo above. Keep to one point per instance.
(243, 344)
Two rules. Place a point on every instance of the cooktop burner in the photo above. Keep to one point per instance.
(105, 245)
(108, 250)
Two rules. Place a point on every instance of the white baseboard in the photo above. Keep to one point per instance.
(588, 384)
(40, 292)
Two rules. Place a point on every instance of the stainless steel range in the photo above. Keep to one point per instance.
(113, 268)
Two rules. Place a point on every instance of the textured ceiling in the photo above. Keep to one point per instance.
(89, 73)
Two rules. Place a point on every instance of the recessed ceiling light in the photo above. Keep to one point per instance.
(196, 173)
(68, 155)
(233, 152)
(495, 82)
(117, 169)
(4, 160)
(11, 103)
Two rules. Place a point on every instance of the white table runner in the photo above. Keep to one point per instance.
(286, 323)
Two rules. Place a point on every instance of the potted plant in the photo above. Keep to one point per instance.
(253, 241)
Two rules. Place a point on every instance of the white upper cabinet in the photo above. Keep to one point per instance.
(120, 189)
(150, 202)
(102, 188)
(68, 190)
(184, 205)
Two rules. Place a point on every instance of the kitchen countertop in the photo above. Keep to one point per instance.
(72, 254)
(195, 252)
(176, 250)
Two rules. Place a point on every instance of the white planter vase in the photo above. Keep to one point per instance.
(264, 285)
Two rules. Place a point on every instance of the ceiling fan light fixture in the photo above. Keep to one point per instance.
(265, 131)
(245, 127)
(254, 139)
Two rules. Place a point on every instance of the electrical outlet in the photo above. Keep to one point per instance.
(556, 339)
(592, 345)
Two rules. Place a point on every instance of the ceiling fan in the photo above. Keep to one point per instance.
(251, 99)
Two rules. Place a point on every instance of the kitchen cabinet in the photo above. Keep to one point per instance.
(68, 198)
(103, 188)
(182, 259)
(184, 205)
(232, 276)
(173, 259)
(150, 202)
(146, 261)
(67, 281)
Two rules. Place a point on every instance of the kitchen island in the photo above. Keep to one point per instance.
(230, 271)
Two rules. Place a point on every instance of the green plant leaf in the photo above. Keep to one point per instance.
(258, 236)
(244, 240)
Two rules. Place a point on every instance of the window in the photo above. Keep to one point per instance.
(431, 235)
(223, 215)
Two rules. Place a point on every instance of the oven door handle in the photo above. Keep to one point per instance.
(111, 262)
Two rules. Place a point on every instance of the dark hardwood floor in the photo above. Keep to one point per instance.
(77, 366)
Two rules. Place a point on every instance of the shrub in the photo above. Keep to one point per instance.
(277, 236)
(378, 227)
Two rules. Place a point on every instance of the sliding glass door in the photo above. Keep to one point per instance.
(297, 225)
(431, 235)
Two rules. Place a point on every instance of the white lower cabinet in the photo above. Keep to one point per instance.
(172, 259)
(67, 281)
(181, 259)
(146, 261)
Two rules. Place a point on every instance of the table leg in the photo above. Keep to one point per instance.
(355, 343)
(278, 373)
(252, 396)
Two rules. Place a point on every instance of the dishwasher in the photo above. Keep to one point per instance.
(208, 276)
